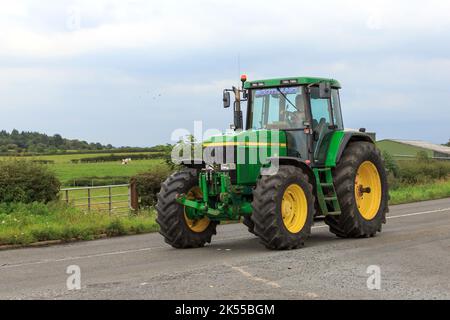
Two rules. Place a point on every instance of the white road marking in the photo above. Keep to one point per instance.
(254, 278)
(418, 213)
(80, 257)
(400, 216)
(164, 247)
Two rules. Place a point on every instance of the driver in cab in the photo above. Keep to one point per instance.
(295, 118)
(299, 115)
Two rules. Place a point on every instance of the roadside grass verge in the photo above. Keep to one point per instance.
(421, 192)
(22, 224)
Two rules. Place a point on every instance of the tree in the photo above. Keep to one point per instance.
(58, 140)
(390, 164)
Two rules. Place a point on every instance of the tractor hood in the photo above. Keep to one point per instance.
(249, 138)
(248, 151)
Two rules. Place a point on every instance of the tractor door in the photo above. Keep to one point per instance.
(326, 118)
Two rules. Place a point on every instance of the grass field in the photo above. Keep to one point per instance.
(65, 158)
(67, 172)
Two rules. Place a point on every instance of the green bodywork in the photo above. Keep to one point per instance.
(333, 148)
(227, 193)
(250, 152)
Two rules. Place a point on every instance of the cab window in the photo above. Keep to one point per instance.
(335, 102)
(320, 109)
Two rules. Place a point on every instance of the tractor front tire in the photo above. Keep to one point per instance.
(283, 208)
(177, 229)
(362, 191)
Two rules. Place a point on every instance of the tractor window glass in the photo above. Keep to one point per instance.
(337, 109)
(277, 108)
(320, 109)
(258, 113)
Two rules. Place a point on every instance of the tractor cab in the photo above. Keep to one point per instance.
(307, 109)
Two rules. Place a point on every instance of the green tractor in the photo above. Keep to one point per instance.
(292, 163)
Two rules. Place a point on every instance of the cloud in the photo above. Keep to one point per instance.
(188, 25)
(91, 67)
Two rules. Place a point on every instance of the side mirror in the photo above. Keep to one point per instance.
(226, 99)
(324, 90)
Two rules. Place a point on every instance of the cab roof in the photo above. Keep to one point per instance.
(289, 81)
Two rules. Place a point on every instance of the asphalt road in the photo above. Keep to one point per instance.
(412, 252)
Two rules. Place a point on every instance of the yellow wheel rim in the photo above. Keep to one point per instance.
(294, 208)
(368, 190)
(196, 225)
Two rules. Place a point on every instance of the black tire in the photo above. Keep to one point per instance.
(249, 223)
(350, 223)
(267, 215)
(171, 219)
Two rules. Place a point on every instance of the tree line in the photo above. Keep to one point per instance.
(27, 142)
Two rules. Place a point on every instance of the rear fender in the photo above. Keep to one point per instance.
(348, 137)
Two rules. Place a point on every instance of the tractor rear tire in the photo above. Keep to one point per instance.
(283, 208)
(178, 230)
(360, 168)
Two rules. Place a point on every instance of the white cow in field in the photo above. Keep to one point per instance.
(126, 161)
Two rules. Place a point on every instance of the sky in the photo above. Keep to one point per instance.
(131, 72)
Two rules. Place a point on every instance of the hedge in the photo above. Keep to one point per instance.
(26, 181)
(148, 185)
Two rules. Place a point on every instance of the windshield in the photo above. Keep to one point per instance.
(277, 108)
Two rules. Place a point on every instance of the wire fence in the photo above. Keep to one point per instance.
(114, 199)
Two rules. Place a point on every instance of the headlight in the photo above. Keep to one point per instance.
(228, 166)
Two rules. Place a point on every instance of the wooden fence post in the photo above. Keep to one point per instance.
(134, 197)
(110, 199)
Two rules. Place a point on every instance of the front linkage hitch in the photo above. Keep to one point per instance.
(220, 199)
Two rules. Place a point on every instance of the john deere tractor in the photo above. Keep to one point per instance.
(291, 162)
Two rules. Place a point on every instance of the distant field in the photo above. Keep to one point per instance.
(65, 158)
(67, 172)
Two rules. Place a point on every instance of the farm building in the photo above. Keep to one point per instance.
(404, 149)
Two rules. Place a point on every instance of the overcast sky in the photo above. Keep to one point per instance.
(130, 72)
